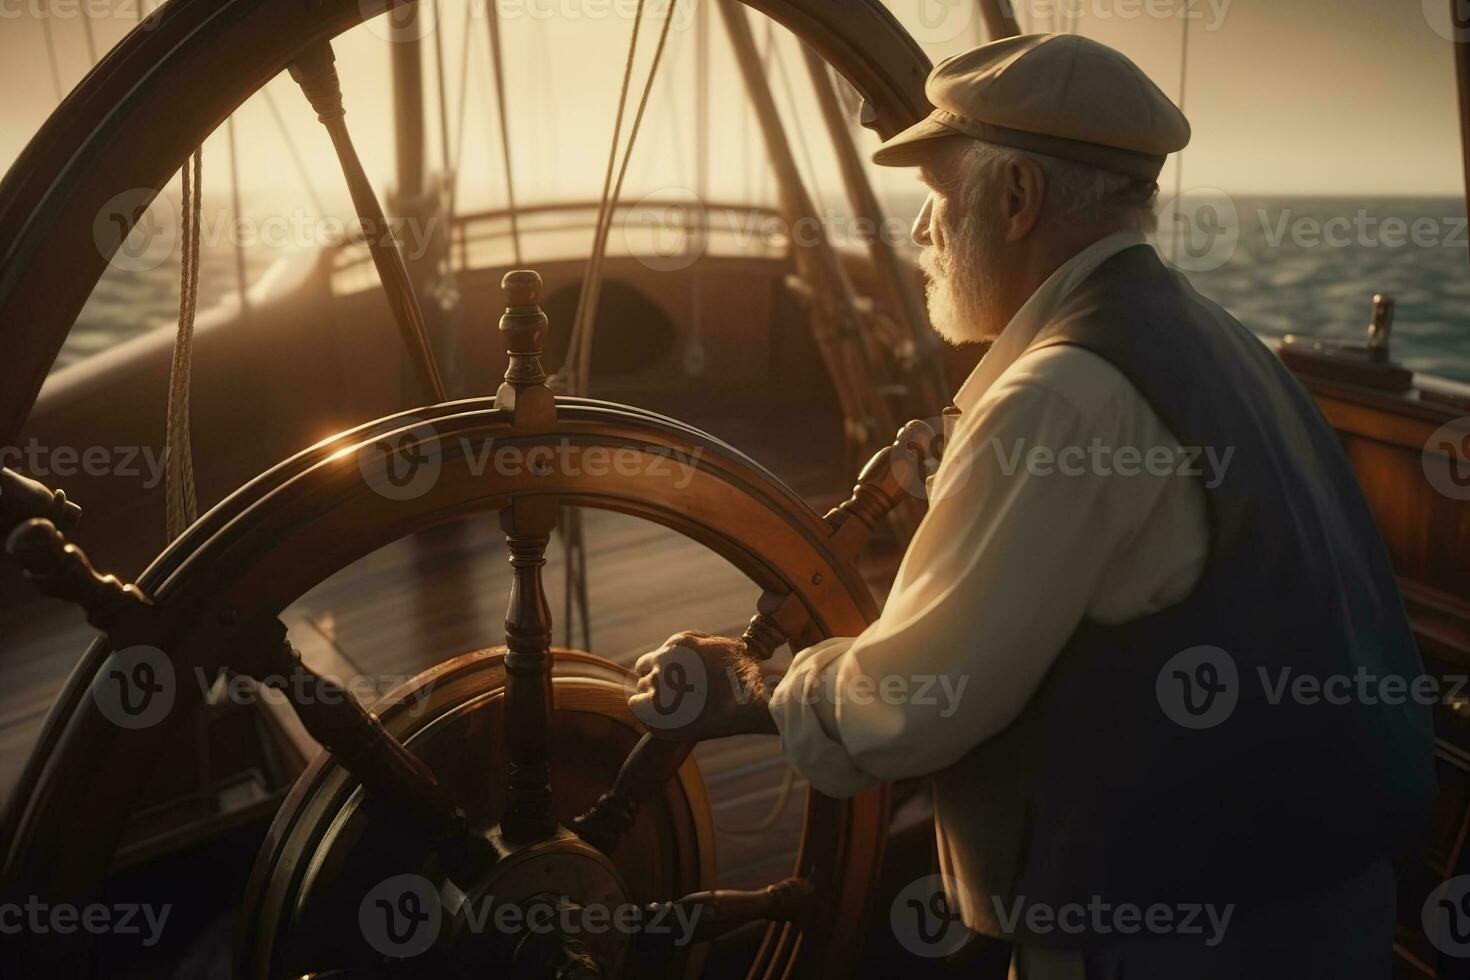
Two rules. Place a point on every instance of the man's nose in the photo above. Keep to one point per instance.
(920, 231)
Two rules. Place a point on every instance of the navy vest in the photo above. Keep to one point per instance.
(1284, 795)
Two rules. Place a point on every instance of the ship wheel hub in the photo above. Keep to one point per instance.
(550, 907)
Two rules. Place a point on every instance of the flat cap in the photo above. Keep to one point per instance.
(1062, 95)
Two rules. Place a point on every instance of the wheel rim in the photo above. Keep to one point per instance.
(302, 835)
(265, 546)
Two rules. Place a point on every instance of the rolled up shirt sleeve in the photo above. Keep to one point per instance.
(1020, 531)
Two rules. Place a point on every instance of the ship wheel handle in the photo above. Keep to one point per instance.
(890, 476)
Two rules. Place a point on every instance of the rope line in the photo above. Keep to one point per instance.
(584, 366)
(459, 137)
(444, 157)
(91, 37)
(498, 63)
(573, 358)
(1179, 157)
(296, 161)
(51, 55)
(181, 505)
(242, 277)
(810, 177)
(579, 349)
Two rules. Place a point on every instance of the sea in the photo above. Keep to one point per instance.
(1282, 265)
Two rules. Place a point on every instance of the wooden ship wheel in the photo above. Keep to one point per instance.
(498, 776)
(479, 780)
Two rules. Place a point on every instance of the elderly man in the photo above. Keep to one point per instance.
(1141, 541)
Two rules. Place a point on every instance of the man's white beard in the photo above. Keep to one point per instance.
(961, 302)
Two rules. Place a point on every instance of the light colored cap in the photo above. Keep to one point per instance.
(1062, 95)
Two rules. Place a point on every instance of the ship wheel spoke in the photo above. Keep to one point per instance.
(329, 712)
(712, 914)
(390, 773)
(528, 523)
(315, 71)
(890, 476)
(656, 759)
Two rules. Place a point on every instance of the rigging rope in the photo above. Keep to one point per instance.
(497, 60)
(91, 38)
(585, 321)
(810, 178)
(301, 170)
(242, 278)
(444, 157)
(765, 172)
(1179, 157)
(459, 131)
(181, 505)
(579, 347)
(548, 115)
(694, 352)
(51, 55)
(573, 358)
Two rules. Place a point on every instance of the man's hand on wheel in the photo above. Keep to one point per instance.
(697, 686)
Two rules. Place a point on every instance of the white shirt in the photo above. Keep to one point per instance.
(1009, 560)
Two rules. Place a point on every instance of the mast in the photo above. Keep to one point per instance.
(1000, 19)
(833, 306)
(1460, 25)
(408, 109)
(920, 362)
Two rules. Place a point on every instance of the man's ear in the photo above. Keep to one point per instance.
(1024, 184)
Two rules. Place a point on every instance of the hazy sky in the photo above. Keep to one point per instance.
(1286, 96)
